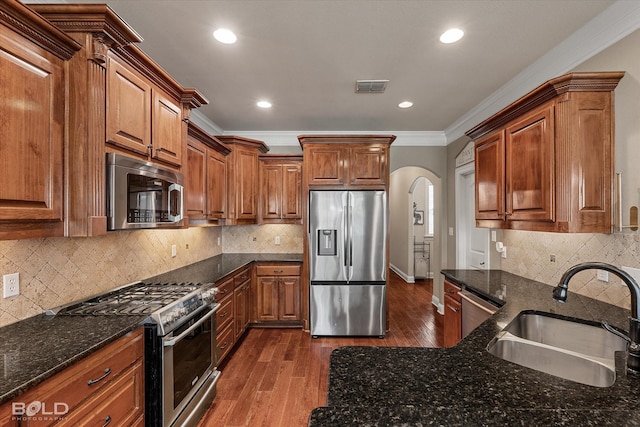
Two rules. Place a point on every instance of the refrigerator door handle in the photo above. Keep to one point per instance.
(350, 233)
(345, 238)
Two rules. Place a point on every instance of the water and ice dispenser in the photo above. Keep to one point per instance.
(327, 242)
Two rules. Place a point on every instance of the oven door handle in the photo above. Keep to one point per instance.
(175, 340)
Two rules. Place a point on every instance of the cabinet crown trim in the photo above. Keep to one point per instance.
(24, 21)
(572, 82)
(239, 140)
(211, 141)
(89, 18)
(345, 139)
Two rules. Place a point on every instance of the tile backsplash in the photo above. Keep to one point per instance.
(262, 238)
(529, 255)
(56, 271)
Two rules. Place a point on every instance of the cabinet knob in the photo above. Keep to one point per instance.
(107, 421)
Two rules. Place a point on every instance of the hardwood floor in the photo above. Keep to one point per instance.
(277, 376)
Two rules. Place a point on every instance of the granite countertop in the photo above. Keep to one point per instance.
(37, 348)
(465, 385)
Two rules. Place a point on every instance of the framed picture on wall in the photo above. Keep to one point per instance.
(418, 217)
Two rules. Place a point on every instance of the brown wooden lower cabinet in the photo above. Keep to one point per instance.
(233, 315)
(107, 386)
(278, 293)
(452, 314)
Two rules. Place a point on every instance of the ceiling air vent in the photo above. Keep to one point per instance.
(371, 86)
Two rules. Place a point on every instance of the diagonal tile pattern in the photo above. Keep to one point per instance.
(529, 256)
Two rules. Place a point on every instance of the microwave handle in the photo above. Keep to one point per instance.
(179, 189)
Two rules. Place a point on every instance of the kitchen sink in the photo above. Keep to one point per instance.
(568, 349)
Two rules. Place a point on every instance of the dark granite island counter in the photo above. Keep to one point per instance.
(465, 385)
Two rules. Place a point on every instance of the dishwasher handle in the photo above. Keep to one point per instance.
(478, 302)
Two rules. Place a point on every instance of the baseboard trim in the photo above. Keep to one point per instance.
(405, 276)
(436, 302)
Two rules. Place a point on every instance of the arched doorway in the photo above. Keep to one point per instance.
(409, 185)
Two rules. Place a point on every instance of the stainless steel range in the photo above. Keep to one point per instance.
(180, 348)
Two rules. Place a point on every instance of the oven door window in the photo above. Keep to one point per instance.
(192, 357)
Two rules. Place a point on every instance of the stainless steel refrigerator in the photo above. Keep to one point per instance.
(347, 262)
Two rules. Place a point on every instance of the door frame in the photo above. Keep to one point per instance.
(461, 174)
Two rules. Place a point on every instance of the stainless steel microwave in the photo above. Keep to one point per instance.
(142, 194)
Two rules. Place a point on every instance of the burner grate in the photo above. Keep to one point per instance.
(138, 299)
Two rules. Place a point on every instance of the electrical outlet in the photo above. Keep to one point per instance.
(552, 258)
(11, 285)
(277, 240)
(603, 275)
(174, 251)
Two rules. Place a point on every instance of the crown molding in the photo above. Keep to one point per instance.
(290, 138)
(616, 22)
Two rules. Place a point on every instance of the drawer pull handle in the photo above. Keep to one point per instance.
(224, 291)
(224, 314)
(107, 421)
(223, 346)
(97, 380)
(455, 310)
(278, 271)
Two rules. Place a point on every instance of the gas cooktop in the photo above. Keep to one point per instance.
(167, 304)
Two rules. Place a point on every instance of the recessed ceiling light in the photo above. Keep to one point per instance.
(452, 35)
(263, 104)
(225, 36)
(405, 104)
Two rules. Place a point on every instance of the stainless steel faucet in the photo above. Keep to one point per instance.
(560, 294)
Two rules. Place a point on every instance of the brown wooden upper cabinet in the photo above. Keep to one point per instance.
(242, 179)
(117, 95)
(360, 161)
(280, 189)
(545, 163)
(206, 180)
(140, 117)
(32, 134)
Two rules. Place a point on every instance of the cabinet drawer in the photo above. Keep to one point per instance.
(452, 291)
(225, 289)
(242, 277)
(224, 314)
(120, 403)
(278, 270)
(103, 369)
(225, 341)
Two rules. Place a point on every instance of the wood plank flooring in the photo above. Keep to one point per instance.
(277, 376)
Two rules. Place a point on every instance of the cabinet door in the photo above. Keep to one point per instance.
(326, 165)
(128, 109)
(272, 191)
(452, 321)
(267, 298)
(239, 308)
(32, 91)
(196, 180)
(292, 191)
(529, 173)
(166, 129)
(489, 172)
(367, 166)
(246, 184)
(216, 185)
(289, 298)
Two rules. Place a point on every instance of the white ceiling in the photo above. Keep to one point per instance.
(305, 56)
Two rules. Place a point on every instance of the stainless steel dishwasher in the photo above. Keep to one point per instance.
(475, 310)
